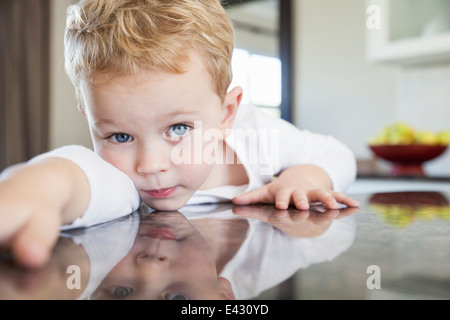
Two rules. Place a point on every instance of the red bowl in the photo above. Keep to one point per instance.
(408, 159)
(410, 198)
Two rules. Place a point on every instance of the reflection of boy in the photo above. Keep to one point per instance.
(105, 244)
(77, 266)
(147, 74)
(169, 260)
(212, 256)
(267, 256)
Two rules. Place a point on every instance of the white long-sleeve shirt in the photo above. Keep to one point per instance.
(265, 146)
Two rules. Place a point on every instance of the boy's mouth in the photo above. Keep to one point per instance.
(161, 193)
(160, 233)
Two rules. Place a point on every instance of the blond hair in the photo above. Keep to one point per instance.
(123, 37)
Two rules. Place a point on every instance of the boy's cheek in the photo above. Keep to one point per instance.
(115, 159)
(195, 175)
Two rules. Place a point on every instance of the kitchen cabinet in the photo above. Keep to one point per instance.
(408, 32)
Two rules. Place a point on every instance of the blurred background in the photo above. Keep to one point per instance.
(341, 67)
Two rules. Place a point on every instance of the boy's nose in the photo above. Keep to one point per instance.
(152, 161)
(145, 257)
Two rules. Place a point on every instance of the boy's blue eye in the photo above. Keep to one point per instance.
(121, 292)
(178, 130)
(175, 296)
(121, 137)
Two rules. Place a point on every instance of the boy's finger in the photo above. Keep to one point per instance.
(342, 198)
(300, 200)
(8, 226)
(260, 195)
(323, 196)
(32, 245)
(283, 199)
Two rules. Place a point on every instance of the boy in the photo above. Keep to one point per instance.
(152, 80)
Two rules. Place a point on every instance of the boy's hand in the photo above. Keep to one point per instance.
(299, 186)
(35, 200)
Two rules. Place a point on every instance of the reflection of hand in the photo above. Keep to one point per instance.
(307, 223)
(52, 282)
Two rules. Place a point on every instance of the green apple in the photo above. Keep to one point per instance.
(405, 132)
(401, 133)
(426, 137)
(444, 138)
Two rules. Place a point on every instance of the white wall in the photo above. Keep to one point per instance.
(67, 125)
(423, 100)
(336, 91)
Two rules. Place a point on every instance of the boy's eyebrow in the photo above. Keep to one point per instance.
(181, 113)
(167, 115)
(103, 121)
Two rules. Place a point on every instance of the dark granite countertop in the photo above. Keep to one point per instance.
(394, 246)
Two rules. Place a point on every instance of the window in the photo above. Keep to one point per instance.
(260, 77)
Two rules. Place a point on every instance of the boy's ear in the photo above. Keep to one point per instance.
(230, 107)
(82, 110)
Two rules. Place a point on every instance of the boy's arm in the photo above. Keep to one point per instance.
(69, 187)
(312, 168)
(35, 200)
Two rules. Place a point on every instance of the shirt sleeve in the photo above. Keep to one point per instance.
(105, 245)
(112, 192)
(286, 146)
(268, 256)
(324, 151)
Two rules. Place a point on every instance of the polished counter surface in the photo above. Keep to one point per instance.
(394, 246)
